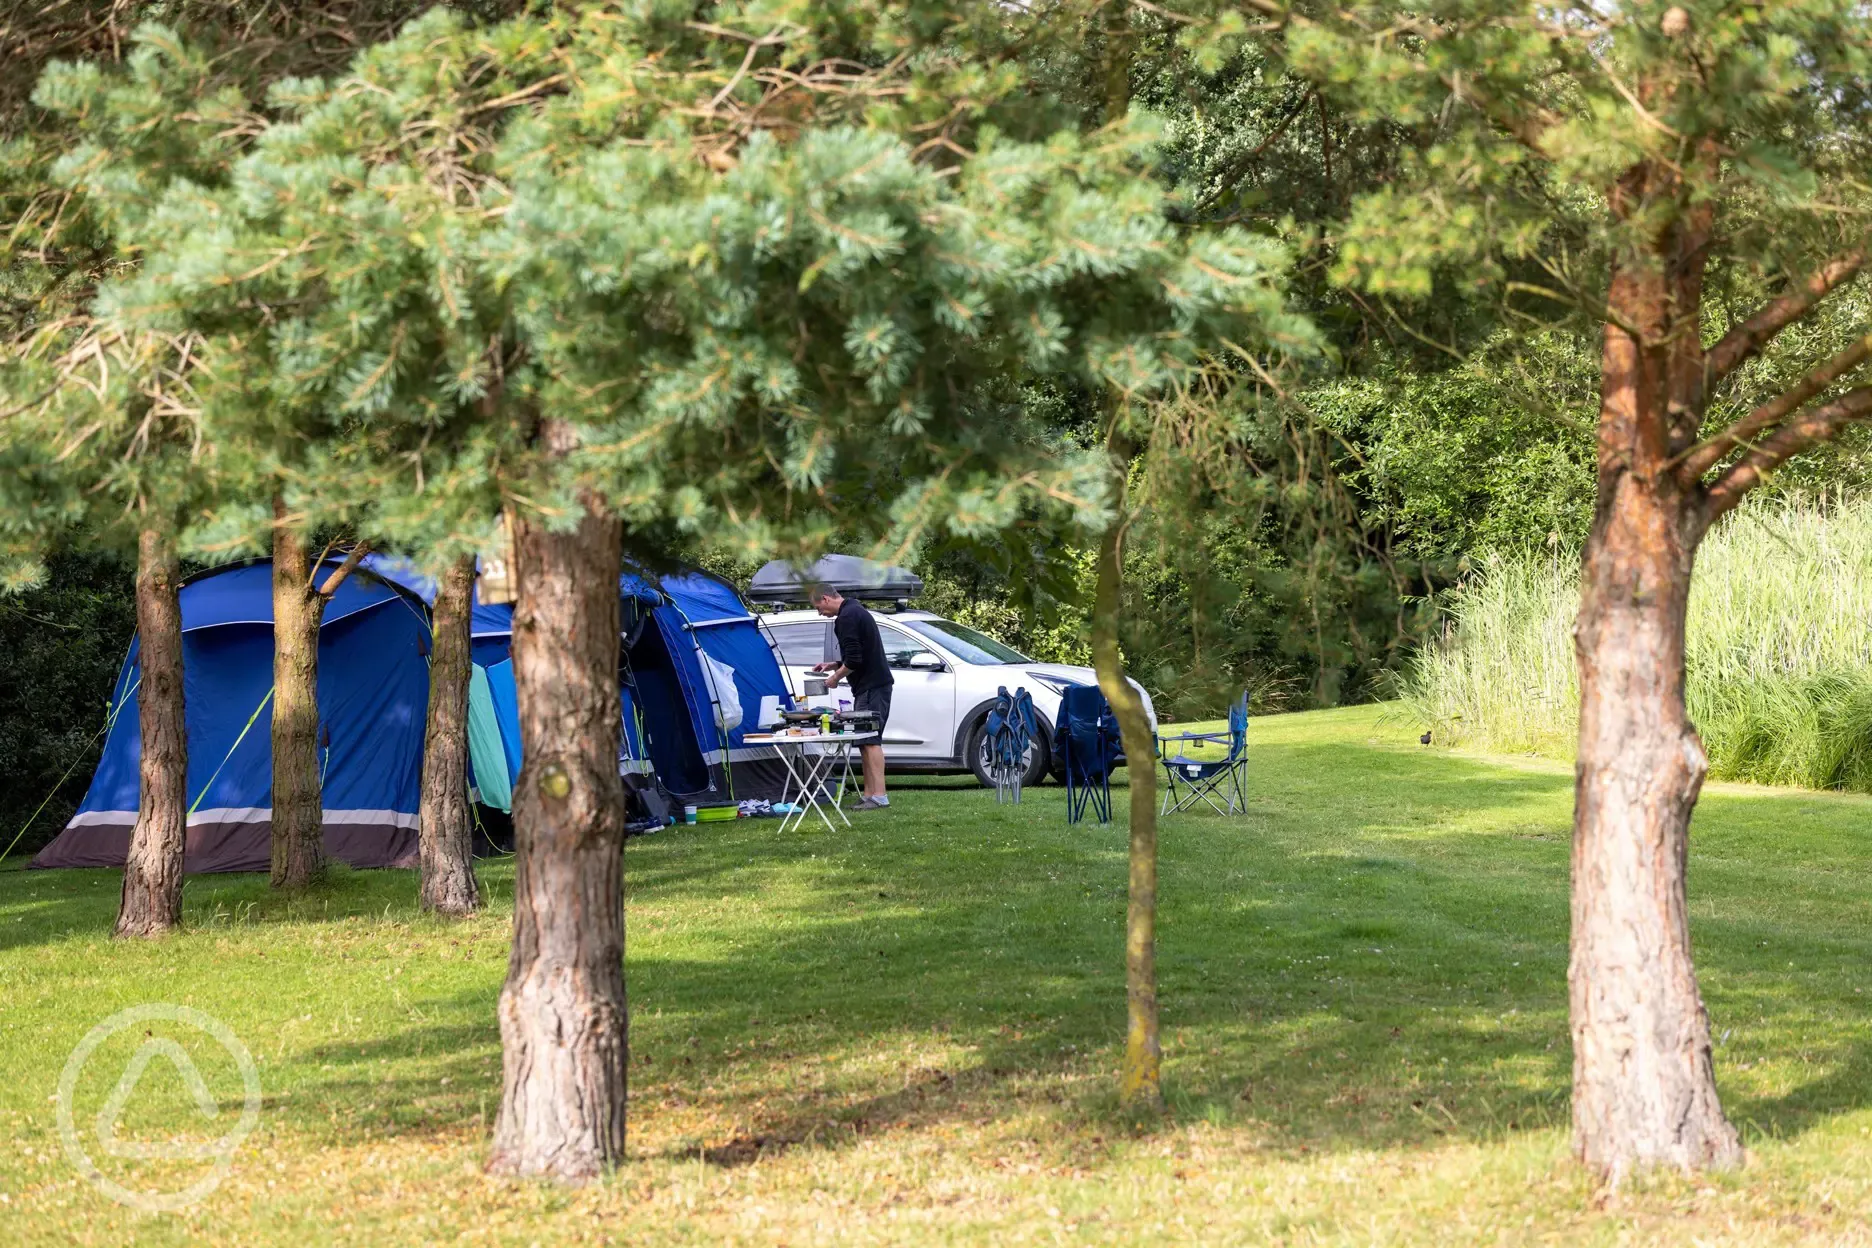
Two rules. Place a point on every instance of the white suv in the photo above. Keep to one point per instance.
(947, 676)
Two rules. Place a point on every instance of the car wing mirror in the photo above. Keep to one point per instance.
(924, 661)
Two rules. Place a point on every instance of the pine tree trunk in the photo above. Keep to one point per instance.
(1140, 1081)
(1644, 1089)
(447, 837)
(298, 800)
(152, 884)
(562, 1010)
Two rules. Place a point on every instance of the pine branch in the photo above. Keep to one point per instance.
(1811, 428)
(1699, 459)
(516, 97)
(38, 400)
(1240, 164)
(1530, 130)
(1185, 19)
(1746, 340)
(343, 570)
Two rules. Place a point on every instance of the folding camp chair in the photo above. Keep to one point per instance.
(1010, 733)
(1087, 739)
(1215, 781)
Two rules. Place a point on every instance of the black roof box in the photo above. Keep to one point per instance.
(779, 582)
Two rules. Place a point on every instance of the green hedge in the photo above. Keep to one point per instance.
(61, 646)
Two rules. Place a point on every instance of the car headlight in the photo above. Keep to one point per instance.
(1058, 684)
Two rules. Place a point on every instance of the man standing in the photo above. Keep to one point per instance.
(861, 660)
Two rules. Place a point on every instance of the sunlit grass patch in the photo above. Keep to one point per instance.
(907, 1031)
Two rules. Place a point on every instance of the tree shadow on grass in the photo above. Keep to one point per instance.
(39, 907)
(437, 1078)
(1846, 1087)
(1337, 979)
(1373, 957)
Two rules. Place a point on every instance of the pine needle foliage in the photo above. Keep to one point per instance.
(100, 435)
(778, 267)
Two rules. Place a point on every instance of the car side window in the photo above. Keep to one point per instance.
(900, 647)
(802, 645)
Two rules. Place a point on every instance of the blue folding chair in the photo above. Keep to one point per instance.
(1089, 747)
(1218, 782)
(1010, 733)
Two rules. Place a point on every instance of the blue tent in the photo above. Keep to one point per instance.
(690, 652)
(493, 707)
(373, 700)
(373, 695)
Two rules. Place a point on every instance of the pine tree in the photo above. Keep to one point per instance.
(446, 829)
(1638, 168)
(1140, 1074)
(103, 441)
(521, 267)
(302, 585)
(1144, 434)
(102, 425)
(116, 482)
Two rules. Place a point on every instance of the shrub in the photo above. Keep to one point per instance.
(61, 645)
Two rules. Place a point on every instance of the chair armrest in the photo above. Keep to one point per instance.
(1196, 736)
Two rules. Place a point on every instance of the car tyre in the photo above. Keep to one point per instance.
(1039, 757)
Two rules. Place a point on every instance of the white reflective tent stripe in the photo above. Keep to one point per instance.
(246, 814)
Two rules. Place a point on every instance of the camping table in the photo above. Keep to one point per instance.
(810, 763)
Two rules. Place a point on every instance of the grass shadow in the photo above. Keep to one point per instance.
(1374, 956)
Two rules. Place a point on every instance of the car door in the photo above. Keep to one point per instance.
(923, 698)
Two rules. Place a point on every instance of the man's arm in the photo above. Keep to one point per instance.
(851, 651)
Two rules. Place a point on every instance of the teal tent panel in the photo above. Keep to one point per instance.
(485, 747)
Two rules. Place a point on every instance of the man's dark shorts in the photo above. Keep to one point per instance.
(877, 701)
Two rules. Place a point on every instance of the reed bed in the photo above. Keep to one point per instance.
(1778, 654)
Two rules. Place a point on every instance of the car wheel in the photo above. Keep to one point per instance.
(1037, 757)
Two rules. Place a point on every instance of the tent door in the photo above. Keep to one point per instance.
(670, 738)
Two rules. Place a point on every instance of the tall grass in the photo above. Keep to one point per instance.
(1779, 650)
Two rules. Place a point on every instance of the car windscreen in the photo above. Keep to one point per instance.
(965, 643)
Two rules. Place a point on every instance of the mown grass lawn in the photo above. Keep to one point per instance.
(907, 1031)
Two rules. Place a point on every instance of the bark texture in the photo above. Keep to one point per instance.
(152, 884)
(1140, 1081)
(1644, 1089)
(447, 830)
(562, 1010)
(298, 801)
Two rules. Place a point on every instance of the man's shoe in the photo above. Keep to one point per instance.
(871, 803)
